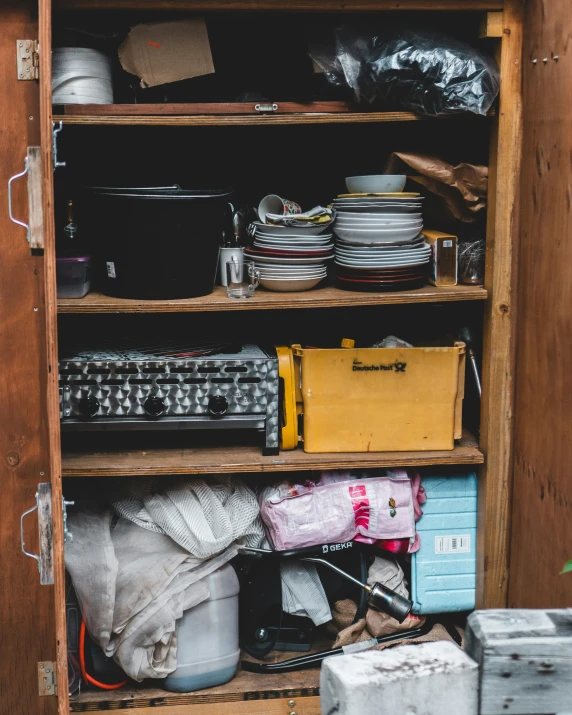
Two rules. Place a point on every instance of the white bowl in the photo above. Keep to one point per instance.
(376, 184)
(392, 234)
(297, 271)
(286, 285)
(291, 277)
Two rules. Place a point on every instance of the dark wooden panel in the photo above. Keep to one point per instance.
(542, 486)
(27, 608)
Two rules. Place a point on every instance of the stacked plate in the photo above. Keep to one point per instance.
(290, 259)
(378, 242)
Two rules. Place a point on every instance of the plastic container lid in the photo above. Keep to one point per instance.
(73, 259)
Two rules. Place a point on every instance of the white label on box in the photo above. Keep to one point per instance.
(448, 244)
(456, 544)
(111, 269)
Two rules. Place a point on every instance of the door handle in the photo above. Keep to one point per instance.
(45, 558)
(15, 220)
(35, 227)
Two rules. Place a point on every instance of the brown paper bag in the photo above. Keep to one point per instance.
(462, 188)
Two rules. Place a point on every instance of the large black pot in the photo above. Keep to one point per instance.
(157, 243)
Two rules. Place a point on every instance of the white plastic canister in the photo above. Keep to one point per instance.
(207, 643)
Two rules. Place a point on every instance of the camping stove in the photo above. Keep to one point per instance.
(172, 389)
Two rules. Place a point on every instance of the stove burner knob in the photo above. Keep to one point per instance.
(154, 406)
(218, 405)
(88, 406)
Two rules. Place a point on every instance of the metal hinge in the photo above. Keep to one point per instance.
(266, 108)
(28, 59)
(47, 680)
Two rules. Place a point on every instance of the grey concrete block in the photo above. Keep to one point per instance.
(425, 679)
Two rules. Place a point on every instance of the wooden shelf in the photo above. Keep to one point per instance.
(245, 688)
(267, 300)
(216, 459)
(175, 115)
(293, 5)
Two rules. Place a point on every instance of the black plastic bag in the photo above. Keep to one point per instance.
(424, 72)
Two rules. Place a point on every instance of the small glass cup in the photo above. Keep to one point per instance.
(242, 279)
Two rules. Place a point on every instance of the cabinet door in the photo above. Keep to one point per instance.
(32, 614)
(541, 541)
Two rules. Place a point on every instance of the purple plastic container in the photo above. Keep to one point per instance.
(73, 276)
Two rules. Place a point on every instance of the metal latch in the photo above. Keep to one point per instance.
(47, 680)
(265, 108)
(28, 59)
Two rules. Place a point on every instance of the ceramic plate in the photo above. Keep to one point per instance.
(380, 287)
(397, 234)
(260, 260)
(391, 195)
(292, 230)
(364, 216)
(365, 265)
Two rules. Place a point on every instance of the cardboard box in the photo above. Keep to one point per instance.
(443, 268)
(165, 52)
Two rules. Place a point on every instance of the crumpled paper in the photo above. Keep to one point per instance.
(462, 189)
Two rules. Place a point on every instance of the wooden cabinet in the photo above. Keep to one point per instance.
(34, 614)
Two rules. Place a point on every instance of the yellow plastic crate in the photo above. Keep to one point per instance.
(381, 399)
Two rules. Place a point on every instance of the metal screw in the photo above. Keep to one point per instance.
(27, 69)
(41, 664)
(545, 60)
(30, 117)
(291, 703)
(21, 44)
(555, 58)
(41, 474)
(534, 61)
(293, 713)
(21, 74)
(35, 310)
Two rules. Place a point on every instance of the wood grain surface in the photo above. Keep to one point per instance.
(542, 489)
(26, 607)
(219, 120)
(276, 5)
(48, 369)
(306, 705)
(204, 108)
(499, 328)
(267, 300)
(247, 693)
(233, 459)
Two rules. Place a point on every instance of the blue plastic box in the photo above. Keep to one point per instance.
(443, 571)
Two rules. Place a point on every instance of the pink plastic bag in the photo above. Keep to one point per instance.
(339, 510)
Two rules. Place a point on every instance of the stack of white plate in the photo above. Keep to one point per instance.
(378, 242)
(290, 259)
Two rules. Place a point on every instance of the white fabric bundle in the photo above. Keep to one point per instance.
(134, 583)
(202, 517)
(81, 76)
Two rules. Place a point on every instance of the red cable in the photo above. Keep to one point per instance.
(84, 673)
